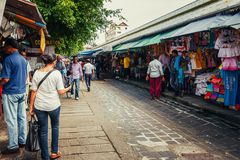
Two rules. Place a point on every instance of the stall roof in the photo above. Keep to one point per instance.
(201, 25)
(233, 21)
(125, 46)
(197, 26)
(155, 39)
(26, 13)
(25, 8)
(88, 52)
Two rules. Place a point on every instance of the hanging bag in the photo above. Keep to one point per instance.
(32, 143)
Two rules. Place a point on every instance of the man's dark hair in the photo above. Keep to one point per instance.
(21, 48)
(11, 42)
(175, 51)
(74, 57)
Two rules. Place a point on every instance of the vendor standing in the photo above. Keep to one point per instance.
(156, 76)
(14, 76)
(126, 66)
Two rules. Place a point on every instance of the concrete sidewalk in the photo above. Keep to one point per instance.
(83, 135)
(195, 102)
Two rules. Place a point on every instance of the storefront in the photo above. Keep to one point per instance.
(22, 21)
(210, 67)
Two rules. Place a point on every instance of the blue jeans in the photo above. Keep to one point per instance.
(88, 78)
(15, 118)
(43, 131)
(77, 86)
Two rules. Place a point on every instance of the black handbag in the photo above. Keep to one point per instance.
(32, 143)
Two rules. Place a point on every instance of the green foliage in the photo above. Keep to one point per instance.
(75, 22)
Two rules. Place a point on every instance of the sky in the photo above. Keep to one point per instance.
(139, 12)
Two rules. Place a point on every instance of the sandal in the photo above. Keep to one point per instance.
(56, 155)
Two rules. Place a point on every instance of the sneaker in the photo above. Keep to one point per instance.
(10, 151)
(88, 89)
(77, 98)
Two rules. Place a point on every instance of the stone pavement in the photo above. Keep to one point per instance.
(118, 121)
(196, 102)
(81, 136)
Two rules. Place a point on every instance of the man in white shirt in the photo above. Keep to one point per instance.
(89, 73)
(156, 76)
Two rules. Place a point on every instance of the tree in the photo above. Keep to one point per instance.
(75, 22)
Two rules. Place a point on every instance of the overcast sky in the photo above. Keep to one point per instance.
(139, 12)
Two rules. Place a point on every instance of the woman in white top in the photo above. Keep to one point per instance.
(156, 76)
(45, 102)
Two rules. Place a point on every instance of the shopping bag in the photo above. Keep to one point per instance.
(32, 143)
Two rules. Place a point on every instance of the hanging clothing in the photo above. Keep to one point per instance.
(228, 44)
(199, 58)
(230, 79)
(177, 62)
(230, 64)
(193, 61)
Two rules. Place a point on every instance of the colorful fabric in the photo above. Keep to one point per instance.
(180, 76)
(216, 88)
(208, 95)
(210, 88)
(230, 79)
(228, 44)
(230, 64)
(214, 96)
(216, 80)
(177, 63)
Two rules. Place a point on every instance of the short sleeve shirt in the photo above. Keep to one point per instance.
(14, 69)
(47, 98)
(126, 62)
(88, 68)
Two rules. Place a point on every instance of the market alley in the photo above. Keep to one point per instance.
(118, 121)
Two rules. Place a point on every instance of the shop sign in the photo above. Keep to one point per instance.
(47, 42)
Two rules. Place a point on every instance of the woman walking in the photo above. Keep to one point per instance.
(156, 76)
(47, 84)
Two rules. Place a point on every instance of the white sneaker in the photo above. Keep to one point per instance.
(77, 98)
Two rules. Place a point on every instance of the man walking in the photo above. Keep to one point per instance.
(60, 65)
(89, 73)
(14, 76)
(77, 74)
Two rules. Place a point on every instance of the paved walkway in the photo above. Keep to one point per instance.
(196, 102)
(117, 121)
(82, 135)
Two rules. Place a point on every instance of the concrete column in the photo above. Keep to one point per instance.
(2, 7)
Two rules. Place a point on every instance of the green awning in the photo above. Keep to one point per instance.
(125, 46)
(144, 41)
